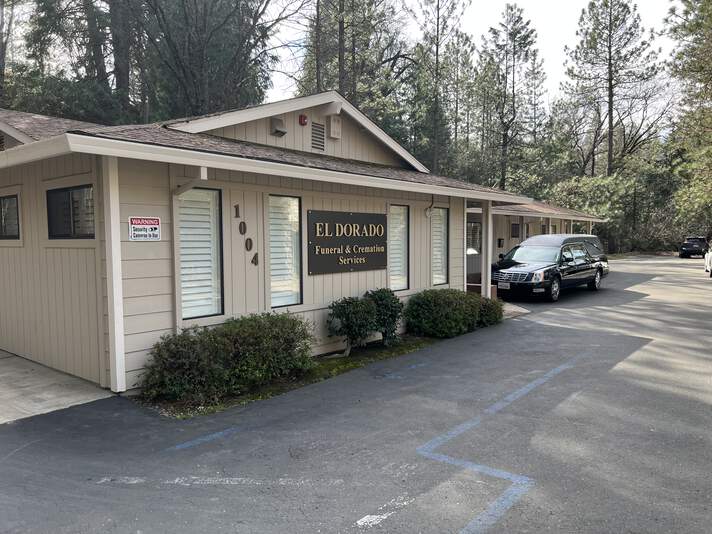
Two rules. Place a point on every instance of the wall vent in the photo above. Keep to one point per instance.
(317, 136)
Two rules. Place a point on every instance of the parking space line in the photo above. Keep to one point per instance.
(520, 484)
(204, 439)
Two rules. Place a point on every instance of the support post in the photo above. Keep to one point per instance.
(548, 225)
(590, 227)
(572, 225)
(114, 279)
(487, 237)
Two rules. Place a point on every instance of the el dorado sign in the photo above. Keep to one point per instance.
(342, 241)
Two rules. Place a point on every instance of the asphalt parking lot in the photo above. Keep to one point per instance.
(591, 415)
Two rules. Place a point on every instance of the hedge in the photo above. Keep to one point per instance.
(203, 365)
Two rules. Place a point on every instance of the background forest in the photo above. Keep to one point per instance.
(628, 137)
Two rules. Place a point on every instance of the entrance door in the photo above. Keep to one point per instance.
(248, 295)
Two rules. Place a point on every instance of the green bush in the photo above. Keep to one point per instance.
(267, 347)
(442, 313)
(203, 365)
(389, 310)
(191, 366)
(491, 312)
(352, 318)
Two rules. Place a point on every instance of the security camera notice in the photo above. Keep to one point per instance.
(144, 229)
(343, 241)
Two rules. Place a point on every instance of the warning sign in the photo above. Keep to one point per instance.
(144, 229)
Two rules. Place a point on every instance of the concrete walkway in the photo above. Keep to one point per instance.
(28, 388)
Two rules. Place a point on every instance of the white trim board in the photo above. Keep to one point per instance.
(127, 149)
(538, 214)
(15, 133)
(240, 116)
(68, 143)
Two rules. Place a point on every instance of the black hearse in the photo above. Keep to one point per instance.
(544, 264)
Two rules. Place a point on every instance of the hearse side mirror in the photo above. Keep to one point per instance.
(501, 256)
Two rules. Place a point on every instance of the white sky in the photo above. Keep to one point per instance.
(555, 21)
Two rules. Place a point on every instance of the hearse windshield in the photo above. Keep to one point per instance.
(533, 254)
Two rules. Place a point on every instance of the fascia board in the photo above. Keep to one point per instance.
(35, 151)
(127, 149)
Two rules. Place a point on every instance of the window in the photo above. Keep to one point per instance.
(439, 234)
(474, 237)
(554, 229)
(579, 253)
(285, 250)
(70, 213)
(515, 231)
(544, 229)
(398, 248)
(200, 227)
(9, 217)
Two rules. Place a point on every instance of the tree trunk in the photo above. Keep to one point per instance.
(436, 114)
(609, 169)
(6, 28)
(504, 162)
(121, 40)
(317, 47)
(96, 44)
(342, 49)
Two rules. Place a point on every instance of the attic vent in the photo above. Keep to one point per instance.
(317, 141)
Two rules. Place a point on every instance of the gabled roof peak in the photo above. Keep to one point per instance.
(229, 118)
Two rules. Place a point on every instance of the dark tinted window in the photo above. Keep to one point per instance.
(594, 248)
(70, 213)
(9, 218)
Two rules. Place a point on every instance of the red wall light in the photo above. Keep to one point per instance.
(303, 120)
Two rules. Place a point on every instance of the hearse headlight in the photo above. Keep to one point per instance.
(538, 276)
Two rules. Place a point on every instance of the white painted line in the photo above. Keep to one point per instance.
(388, 509)
(219, 481)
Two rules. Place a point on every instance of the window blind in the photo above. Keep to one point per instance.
(200, 253)
(439, 237)
(285, 250)
(398, 247)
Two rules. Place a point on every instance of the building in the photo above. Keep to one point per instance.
(112, 236)
(512, 224)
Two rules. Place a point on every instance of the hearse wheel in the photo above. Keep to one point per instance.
(595, 284)
(552, 294)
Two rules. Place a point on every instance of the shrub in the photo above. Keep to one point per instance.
(491, 312)
(203, 365)
(389, 310)
(190, 366)
(266, 347)
(442, 313)
(352, 318)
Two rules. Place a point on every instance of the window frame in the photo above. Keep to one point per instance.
(511, 231)
(301, 253)
(407, 241)
(221, 234)
(18, 238)
(447, 248)
(72, 236)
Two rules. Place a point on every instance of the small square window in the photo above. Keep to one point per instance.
(10, 217)
(515, 231)
(70, 213)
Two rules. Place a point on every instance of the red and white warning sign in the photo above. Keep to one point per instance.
(144, 229)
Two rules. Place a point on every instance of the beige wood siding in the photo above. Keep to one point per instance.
(150, 308)
(355, 143)
(50, 305)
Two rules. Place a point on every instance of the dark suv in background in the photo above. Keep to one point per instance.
(694, 246)
(545, 264)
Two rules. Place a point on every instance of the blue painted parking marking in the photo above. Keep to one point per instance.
(204, 439)
(520, 484)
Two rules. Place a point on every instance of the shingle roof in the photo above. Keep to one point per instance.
(544, 209)
(38, 127)
(160, 135)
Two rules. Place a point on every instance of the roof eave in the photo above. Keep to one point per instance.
(15, 133)
(35, 151)
(127, 149)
